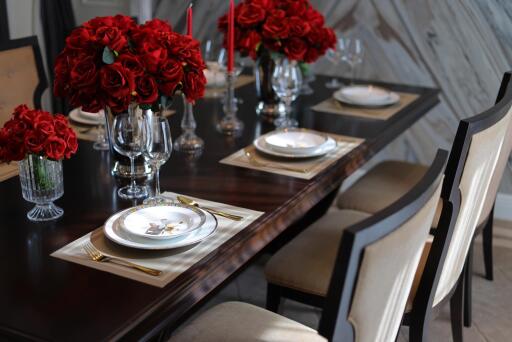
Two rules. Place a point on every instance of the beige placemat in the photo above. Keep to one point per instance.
(172, 262)
(90, 133)
(8, 170)
(241, 81)
(311, 166)
(332, 106)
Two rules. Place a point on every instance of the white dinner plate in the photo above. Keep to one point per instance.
(295, 141)
(75, 116)
(116, 234)
(261, 145)
(92, 116)
(163, 221)
(366, 96)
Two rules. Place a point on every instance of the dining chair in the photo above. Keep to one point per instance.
(375, 260)
(479, 153)
(389, 180)
(21, 74)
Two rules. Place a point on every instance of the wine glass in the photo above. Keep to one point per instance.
(286, 82)
(352, 51)
(157, 150)
(334, 56)
(127, 138)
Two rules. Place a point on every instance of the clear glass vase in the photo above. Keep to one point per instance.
(42, 182)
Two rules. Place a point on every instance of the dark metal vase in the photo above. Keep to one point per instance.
(269, 106)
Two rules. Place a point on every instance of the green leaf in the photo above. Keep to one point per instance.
(145, 106)
(108, 56)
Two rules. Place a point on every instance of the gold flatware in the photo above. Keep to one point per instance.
(191, 202)
(97, 256)
(252, 159)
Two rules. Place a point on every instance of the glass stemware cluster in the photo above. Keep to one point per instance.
(149, 136)
(350, 51)
(287, 82)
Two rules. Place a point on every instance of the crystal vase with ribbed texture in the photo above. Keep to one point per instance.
(42, 182)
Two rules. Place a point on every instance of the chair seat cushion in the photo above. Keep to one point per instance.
(235, 322)
(306, 263)
(381, 186)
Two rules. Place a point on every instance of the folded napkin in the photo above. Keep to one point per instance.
(171, 262)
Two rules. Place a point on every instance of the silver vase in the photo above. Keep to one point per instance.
(42, 182)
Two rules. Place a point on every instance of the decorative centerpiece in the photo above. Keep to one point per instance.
(114, 64)
(292, 28)
(39, 141)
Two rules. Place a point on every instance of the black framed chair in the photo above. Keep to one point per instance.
(389, 180)
(22, 74)
(375, 266)
(477, 160)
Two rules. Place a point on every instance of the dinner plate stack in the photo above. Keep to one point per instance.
(295, 143)
(161, 226)
(86, 118)
(366, 96)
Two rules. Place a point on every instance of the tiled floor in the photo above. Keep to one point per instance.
(492, 301)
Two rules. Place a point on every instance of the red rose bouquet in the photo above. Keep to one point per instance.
(289, 27)
(36, 132)
(112, 61)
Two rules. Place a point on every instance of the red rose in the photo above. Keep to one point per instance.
(71, 143)
(295, 49)
(88, 98)
(311, 55)
(314, 18)
(193, 86)
(34, 142)
(14, 151)
(98, 22)
(84, 73)
(276, 26)
(17, 130)
(147, 89)
(153, 58)
(117, 83)
(55, 148)
(132, 63)
(43, 124)
(158, 25)
(22, 112)
(171, 74)
(249, 43)
(250, 14)
(61, 124)
(124, 22)
(297, 8)
(298, 27)
(80, 39)
(111, 37)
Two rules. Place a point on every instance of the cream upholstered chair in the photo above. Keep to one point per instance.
(21, 74)
(389, 180)
(373, 271)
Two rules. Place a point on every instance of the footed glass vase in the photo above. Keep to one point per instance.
(42, 182)
(269, 106)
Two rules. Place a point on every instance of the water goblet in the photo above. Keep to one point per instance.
(127, 139)
(287, 82)
(156, 151)
(352, 51)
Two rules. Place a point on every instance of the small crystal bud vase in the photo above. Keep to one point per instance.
(230, 124)
(42, 182)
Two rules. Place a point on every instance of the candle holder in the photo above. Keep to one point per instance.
(230, 124)
(188, 141)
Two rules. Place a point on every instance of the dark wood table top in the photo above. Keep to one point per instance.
(46, 298)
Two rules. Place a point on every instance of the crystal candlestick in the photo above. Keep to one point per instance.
(230, 124)
(188, 141)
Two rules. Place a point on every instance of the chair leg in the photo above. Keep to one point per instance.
(273, 297)
(468, 287)
(487, 246)
(456, 314)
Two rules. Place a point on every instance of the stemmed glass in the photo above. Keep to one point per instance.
(156, 151)
(127, 138)
(286, 82)
(352, 51)
(334, 56)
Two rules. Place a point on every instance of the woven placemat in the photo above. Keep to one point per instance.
(8, 170)
(335, 107)
(171, 262)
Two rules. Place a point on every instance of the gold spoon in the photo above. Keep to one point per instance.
(191, 202)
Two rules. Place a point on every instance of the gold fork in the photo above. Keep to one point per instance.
(252, 159)
(97, 256)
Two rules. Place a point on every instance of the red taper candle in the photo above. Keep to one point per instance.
(231, 36)
(189, 20)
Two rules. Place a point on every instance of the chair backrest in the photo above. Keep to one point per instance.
(21, 74)
(477, 160)
(376, 264)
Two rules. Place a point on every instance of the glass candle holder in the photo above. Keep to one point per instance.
(188, 141)
(230, 124)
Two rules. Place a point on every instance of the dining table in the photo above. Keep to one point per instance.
(50, 299)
